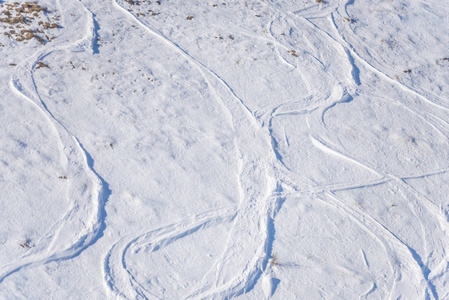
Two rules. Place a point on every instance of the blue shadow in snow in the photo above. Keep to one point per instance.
(275, 282)
(96, 36)
(425, 271)
(271, 233)
(355, 70)
(103, 197)
(81, 245)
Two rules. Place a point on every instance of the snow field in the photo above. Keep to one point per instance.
(212, 150)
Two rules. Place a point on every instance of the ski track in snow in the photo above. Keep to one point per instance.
(88, 192)
(115, 264)
(250, 165)
(264, 179)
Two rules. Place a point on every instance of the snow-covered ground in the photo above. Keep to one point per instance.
(205, 149)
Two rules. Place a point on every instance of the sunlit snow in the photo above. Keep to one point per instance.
(267, 149)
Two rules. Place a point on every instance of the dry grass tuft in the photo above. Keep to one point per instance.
(293, 52)
(27, 21)
(26, 244)
(274, 260)
(41, 65)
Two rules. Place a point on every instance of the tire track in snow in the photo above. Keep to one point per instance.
(83, 223)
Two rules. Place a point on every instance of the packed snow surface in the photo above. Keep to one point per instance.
(205, 149)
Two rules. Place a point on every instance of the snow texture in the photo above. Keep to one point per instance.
(272, 149)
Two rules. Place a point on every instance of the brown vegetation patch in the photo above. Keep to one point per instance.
(16, 16)
(293, 52)
(41, 65)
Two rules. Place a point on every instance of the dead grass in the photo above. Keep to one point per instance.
(274, 260)
(26, 244)
(349, 20)
(390, 42)
(27, 21)
(442, 60)
(41, 65)
(293, 52)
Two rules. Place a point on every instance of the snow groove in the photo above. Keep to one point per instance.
(87, 191)
(257, 184)
(315, 134)
(264, 183)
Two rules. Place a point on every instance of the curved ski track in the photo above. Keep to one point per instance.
(264, 179)
(87, 191)
(120, 281)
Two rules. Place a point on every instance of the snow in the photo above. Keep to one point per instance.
(224, 149)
